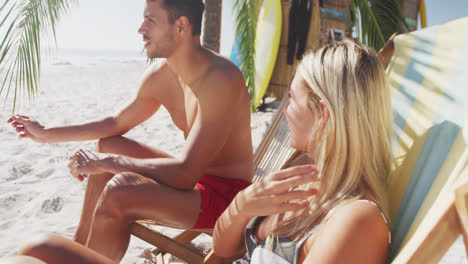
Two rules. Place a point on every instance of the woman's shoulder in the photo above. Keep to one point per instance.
(359, 221)
(356, 232)
(358, 213)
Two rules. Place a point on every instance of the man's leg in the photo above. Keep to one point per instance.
(53, 249)
(96, 182)
(128, 197)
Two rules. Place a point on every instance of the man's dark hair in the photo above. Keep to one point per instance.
(192, 9)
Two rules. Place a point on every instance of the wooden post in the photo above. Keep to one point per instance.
(461, 203)
(165, 243)
(212, 24)
(410, 10)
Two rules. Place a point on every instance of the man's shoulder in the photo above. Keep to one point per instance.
(223, 87)
(224, 76)
(157, 76)
(224, 68)
(156, 69)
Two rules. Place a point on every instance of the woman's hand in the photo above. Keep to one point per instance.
(88, 162)
(272, 194)
(27, 127)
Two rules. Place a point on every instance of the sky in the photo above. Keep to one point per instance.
(113, 24)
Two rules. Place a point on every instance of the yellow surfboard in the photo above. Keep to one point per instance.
(422, 14)
(267, 41)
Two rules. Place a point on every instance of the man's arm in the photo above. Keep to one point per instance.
(212, 127)
(213, 124)
(137, 111)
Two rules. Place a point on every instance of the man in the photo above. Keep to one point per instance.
(206, 97)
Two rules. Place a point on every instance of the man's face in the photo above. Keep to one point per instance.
(158, 33)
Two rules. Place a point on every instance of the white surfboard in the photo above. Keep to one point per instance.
(267, 42)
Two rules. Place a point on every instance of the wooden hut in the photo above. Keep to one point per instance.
(327, 17)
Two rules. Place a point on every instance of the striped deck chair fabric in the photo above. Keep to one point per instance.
(428, 76)
(274, 149)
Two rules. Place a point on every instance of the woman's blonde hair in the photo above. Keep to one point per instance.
(352, 149)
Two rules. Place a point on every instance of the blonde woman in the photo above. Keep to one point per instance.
(334, 209)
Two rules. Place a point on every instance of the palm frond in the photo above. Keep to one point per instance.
(246, 24)
(24, 22)
(377, 20)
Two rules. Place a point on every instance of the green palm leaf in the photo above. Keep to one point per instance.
(24, 22)
(377, 20)
(246, 25)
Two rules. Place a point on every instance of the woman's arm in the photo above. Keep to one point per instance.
(229, 231)
(269, 196)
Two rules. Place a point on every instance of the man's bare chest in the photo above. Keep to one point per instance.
(183, 109)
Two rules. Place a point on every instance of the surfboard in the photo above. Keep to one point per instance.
(422, 14)
(235, 53)
(267, 42)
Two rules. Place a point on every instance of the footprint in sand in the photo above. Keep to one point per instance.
(52, 205)
(19, 171)
(9, 202)
(18, 150)
(36, 155)
(3, 162)
(7, 224)
(44, 174)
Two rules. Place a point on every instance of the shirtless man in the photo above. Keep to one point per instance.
(207, 99)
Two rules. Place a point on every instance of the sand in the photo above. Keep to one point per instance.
(38, 195)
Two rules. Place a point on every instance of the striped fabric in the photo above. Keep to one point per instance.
(428, 76)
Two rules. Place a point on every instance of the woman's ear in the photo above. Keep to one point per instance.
(325, 112)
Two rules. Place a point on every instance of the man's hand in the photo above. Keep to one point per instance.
(27, 127)
(88, 162)
(272, 195)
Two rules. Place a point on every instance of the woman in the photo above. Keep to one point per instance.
(334, 211)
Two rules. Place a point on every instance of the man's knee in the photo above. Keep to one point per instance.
(107, 145)
(113, 203)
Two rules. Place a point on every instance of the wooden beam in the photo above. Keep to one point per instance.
(430, 246)
(386, 53)
(183, 238)
(166, 244)
(461, 204)
(212, 24)
(442, 230)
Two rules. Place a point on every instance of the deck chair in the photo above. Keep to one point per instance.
(272, 152)
(428, 76)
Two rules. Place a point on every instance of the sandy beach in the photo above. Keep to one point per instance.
(37, 193)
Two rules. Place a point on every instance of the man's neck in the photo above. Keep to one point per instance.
(188, 61)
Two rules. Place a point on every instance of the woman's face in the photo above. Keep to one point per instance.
(301, 118)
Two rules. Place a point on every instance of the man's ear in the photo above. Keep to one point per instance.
(182, 24)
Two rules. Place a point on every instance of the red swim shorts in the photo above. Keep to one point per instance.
(216, 195)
